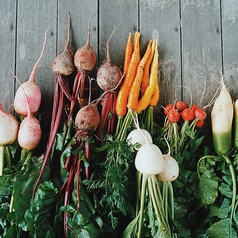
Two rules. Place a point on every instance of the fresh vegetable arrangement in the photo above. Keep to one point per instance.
(117, 165)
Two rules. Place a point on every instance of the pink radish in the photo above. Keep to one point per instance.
(8, 133)
(29, 134)
(31, 89)
(8, 128)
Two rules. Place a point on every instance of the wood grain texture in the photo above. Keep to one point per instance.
(230, 44)
(7, 51)
(201, 49)
(197, 41)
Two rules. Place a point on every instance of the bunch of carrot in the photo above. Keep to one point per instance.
(140, 88)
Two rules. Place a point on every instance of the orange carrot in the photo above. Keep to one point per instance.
(156, 95)
(146, 75)
(128, 53)
(121, 103)
(146, 98)
(135, 89)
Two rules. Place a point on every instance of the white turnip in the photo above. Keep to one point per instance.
(149, 159)
(139, 136)
(170, 171)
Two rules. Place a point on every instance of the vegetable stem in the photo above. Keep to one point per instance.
(142, 203)
(2, 149)
(233, 175)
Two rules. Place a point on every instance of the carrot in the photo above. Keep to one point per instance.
(146, 75)
(156, 96)
(128, 53)
(146, 97)
(121, 104)
(135, 89)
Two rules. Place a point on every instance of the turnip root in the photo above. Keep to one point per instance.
(87, 118)
(108, 74)
(84, 61)
(149, 159)
(139, 136)
(32, 91)
(108, 78)
(85, 56)
(170, 171)
(63, 64)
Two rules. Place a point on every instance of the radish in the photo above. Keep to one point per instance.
(30, 133)
(167, 108)
(173, 115)
(221, 121)
(87, 118)
(8, 128)
(149, 159)
(31, 89)
(8, 133)
(149, 162)
(180, 105)
(170, 171)
(139, 136)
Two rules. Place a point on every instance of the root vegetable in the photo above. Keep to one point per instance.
(149, 159)
(32, 91)
(221, 121)
(30, 133)
(87, 118)
(171, 169)
(85, 57)
(63, 64)
(139, 136)
(108, 74)
(8, 128)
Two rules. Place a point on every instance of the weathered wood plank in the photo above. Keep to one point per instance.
(34, 18)
(230, 44)
(111, 14)
(7, 51)
(161, 20)
(80, 12)
(201, 49)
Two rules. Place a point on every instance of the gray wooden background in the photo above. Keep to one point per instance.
(198, 41)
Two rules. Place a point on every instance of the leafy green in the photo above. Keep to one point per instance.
(221, 229)
(114, 180)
